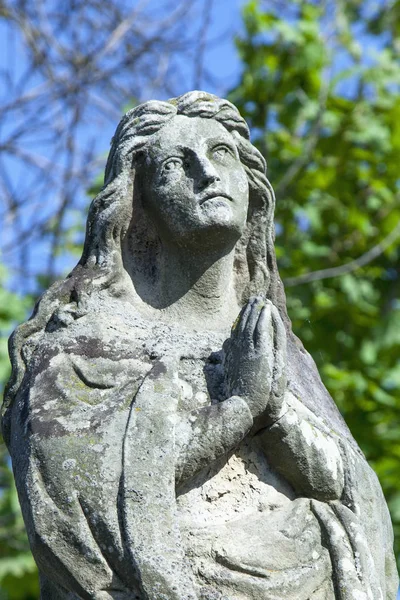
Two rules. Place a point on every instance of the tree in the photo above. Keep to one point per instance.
(320, 87)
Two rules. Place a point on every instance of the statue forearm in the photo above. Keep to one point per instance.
(208, 433)
(306, 455)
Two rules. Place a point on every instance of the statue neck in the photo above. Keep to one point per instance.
(197, 290)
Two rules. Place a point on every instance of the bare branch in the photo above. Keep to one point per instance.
(353, 265)
(122, 29)
(207, 10)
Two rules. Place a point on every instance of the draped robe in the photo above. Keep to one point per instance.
(139, 479)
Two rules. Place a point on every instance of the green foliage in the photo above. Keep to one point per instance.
(324, 109)
(18, 573)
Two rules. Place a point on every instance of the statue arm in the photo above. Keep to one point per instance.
(302, 448)
(208, 433)
(296, 442)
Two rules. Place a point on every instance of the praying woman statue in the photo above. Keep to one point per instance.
(171, 438)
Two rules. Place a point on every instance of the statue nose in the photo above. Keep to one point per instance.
(208, 175)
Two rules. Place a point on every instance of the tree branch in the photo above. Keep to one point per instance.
(353, 265)
(199, 61)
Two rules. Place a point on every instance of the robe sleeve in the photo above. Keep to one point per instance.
(302, 448)
(206, 434)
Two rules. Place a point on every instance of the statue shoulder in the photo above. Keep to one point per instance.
(96, 346)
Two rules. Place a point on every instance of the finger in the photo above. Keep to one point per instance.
(279, 376)
(252, 319)
(263, 333)
(236, 324)
(240, 323)
(280, 332)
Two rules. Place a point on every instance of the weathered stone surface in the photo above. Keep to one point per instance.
(161, 453)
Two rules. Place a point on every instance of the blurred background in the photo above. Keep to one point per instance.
(318, 82)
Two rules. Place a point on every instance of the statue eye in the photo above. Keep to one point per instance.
(221, 152)
(173, 164)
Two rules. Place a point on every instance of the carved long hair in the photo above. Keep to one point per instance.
(111, 213)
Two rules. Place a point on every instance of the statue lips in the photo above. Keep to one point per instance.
(215, 195)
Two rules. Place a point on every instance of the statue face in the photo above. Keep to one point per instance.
(195, 188)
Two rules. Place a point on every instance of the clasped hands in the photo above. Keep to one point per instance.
(255, 360)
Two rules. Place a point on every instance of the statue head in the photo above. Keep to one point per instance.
(123, 219)
(193, 187)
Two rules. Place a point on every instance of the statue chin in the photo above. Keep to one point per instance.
(218, 212)
(214, 224)
(170, 437)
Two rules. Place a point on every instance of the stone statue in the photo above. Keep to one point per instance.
(164, 447)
